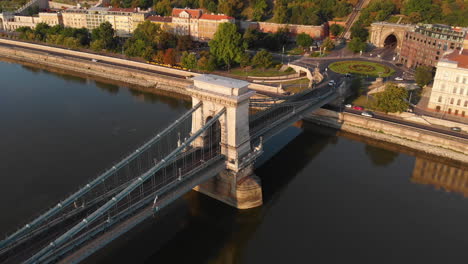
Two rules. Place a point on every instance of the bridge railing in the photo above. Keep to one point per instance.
(107, 184)
(167, 172)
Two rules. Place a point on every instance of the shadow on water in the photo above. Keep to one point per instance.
(199, 229)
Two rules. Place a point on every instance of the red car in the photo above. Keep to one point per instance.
(356, 107)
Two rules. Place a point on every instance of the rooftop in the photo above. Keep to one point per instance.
(160, 18)
(215, 17)
(461, 57)
(194, 13)
(221, 81)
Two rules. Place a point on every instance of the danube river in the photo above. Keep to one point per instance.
(329, 197)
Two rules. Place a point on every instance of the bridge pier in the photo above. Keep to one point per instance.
(237, 185)
(242, 190)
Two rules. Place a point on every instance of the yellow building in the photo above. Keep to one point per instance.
(164, 22)
(51, 19)
(449, 93)
(74, 18)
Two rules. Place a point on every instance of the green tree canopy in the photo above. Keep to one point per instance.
(423, 75)
(336, 29)
(392, 100)
(188, 60)
(304, 40)
(262, 59)
(105, 34)
(227, 44)
(328, 44)
(259, 9)
(356, 45)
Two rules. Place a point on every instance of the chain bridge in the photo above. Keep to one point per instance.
(211, 148)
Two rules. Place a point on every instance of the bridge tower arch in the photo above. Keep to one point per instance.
(237, 185)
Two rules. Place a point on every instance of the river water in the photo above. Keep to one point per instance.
(329, 197)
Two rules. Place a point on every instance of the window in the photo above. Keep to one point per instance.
(457, 79)
(458, 102)
(464, 80)
(451, 101)
(454, 90)
(449, 110)
(466, 104)
(440, 99)
(438, 108)
(461, 91)
(442, 87)
(456, 112)
(463, 113)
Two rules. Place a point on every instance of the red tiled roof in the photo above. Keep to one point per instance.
(215, 17)
(115, 9)
(160, 18)
(460, 57)
(194, 13)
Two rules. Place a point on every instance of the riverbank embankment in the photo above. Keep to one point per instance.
(116, 69)
(419, 139)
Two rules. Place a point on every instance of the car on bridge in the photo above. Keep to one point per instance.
(367, 114)
(348, 105)
(456, 129)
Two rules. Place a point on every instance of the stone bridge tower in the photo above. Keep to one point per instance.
(237, 185)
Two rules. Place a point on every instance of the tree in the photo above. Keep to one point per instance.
(169, 57)
(280, 12)
(163, 7)
(230, 7)
(105, 34)
(262, 59)
(392, 99)
(226, 45)
(184, 42)
(207, 63)
(304, 40)
(423, 75)
(188, 60)
(336, 29)
(259, 8)
(244, 60)
(328, 44)
(358, 31)
(356, 45)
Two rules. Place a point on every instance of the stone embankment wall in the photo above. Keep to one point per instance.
(130, 76)
(418, 139)
(112, 72)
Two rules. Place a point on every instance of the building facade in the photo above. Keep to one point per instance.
(449, 93)
(426, 44)
(164, 22)
(123, 20)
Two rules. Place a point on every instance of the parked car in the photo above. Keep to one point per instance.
(398, 79)
(367, 114)
(94, 60)
(348, 105)
(456, 129)
(357, 107)
(331, 83)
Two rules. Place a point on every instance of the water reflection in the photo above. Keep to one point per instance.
(380, 156)
(450, 177)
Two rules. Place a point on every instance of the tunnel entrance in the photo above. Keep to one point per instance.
(390, 41)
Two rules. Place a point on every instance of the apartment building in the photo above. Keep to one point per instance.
(450, 90)
(164, 22)
(426, 44)
(123, 20)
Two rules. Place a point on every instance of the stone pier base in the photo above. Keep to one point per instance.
(241, 190)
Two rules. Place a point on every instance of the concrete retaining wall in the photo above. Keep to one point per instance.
(126, 75)
(418, 139)
(112, 72)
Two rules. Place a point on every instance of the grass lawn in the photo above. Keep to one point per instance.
(362, 68)
(259, 72)
(297, 85)
(362, 101)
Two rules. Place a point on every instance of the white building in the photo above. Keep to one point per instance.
(450, 90)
